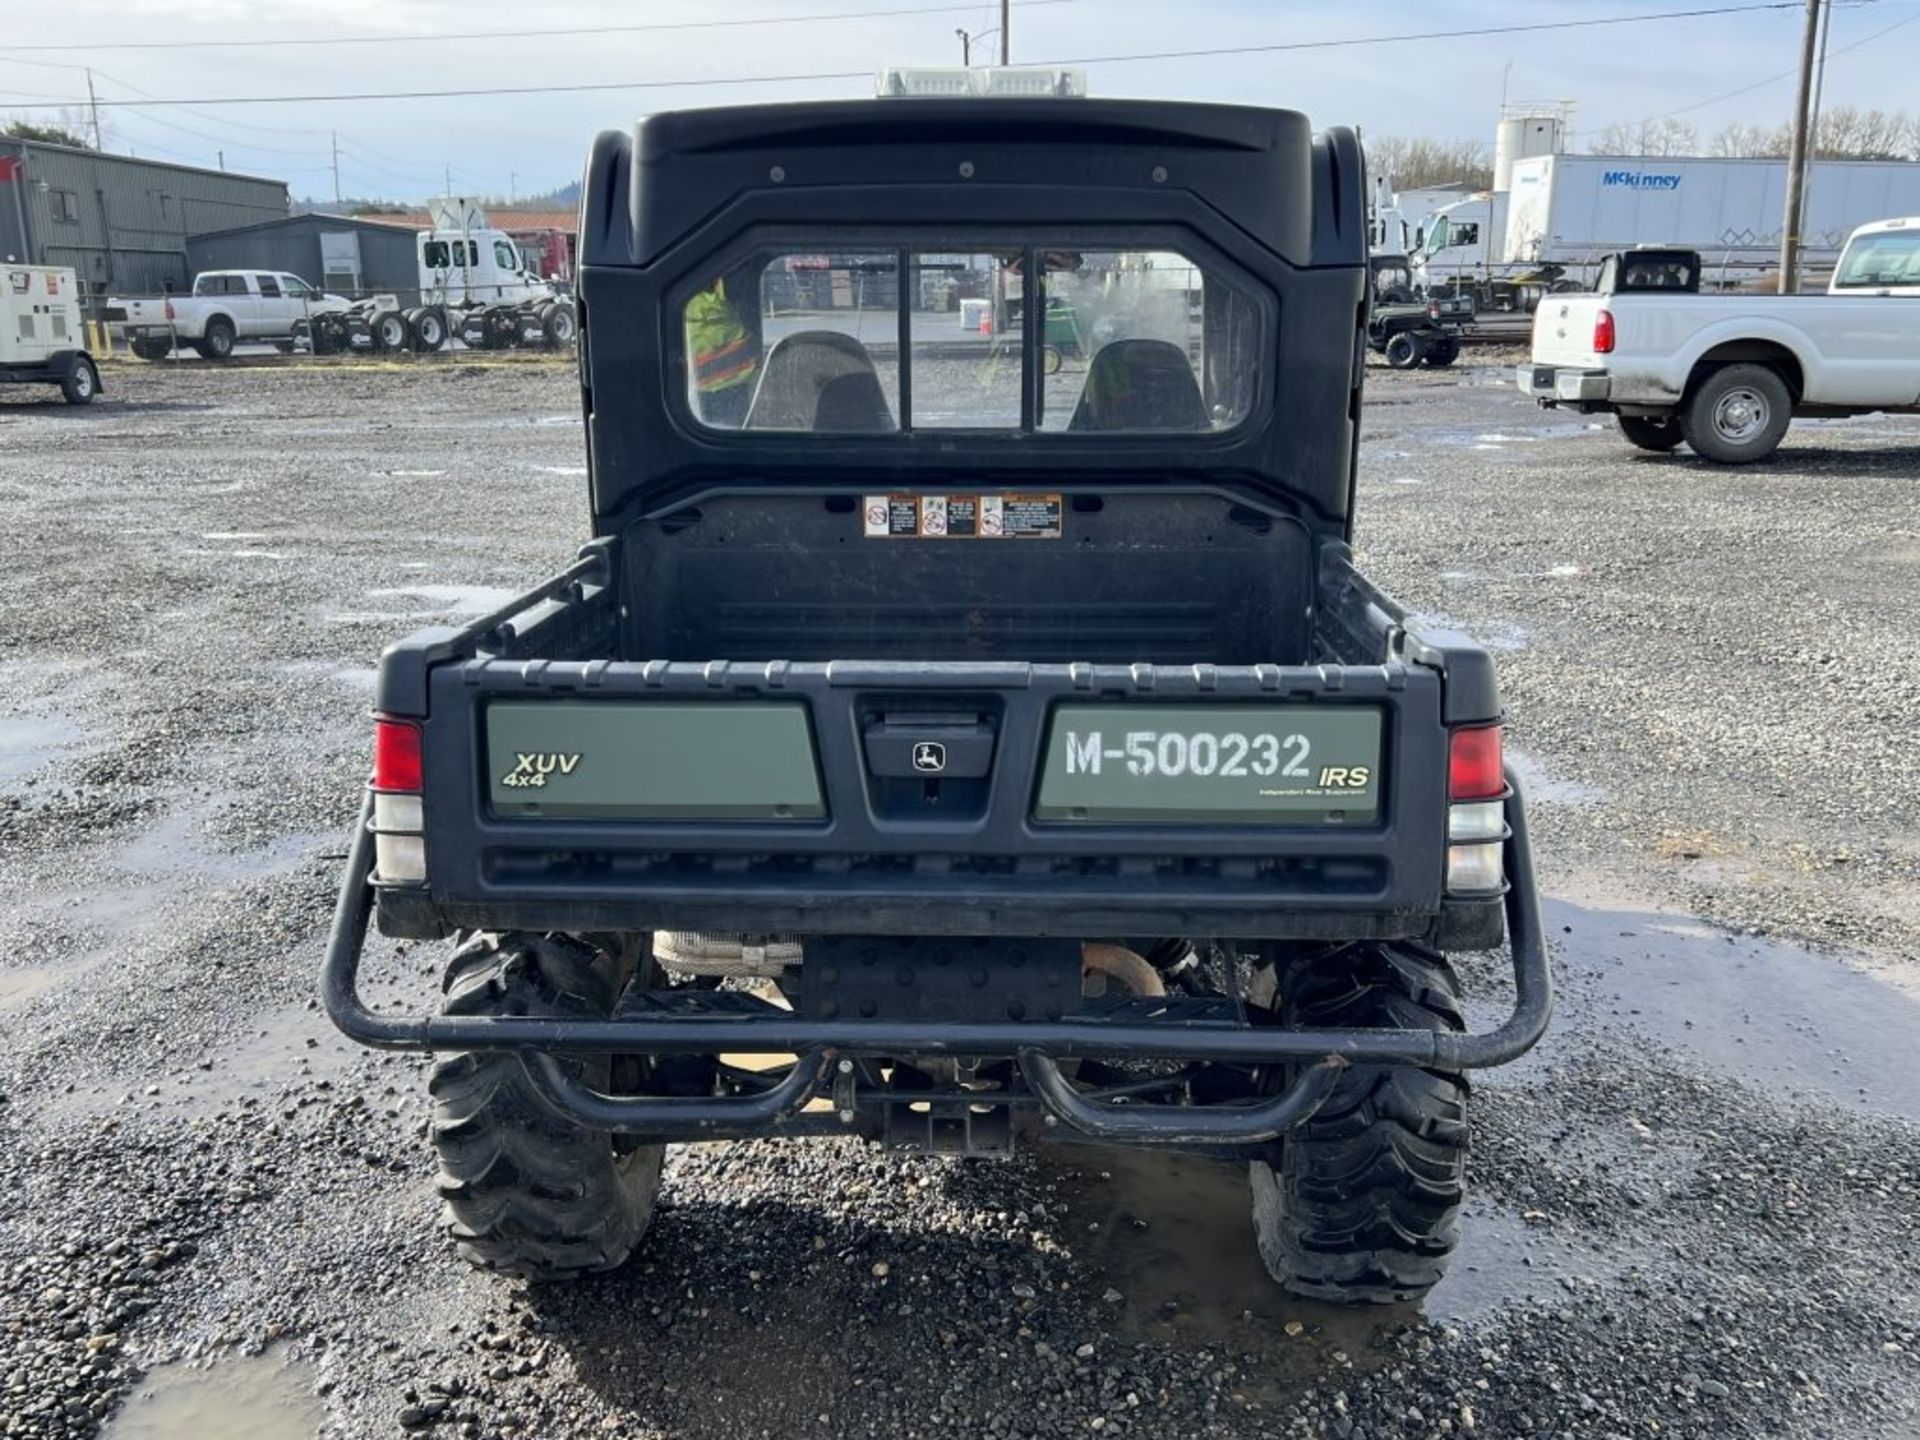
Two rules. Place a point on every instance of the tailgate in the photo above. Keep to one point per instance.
(877, 797)
(1563, 332)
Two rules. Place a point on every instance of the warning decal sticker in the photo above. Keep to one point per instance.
(962, 517)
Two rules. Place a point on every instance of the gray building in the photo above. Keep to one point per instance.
(339, 254)
(122, 223)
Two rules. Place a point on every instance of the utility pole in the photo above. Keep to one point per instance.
(449, 178)
(336, 167)
(93, 105)
(223, 158)
(966, 48)
(1006, 37)
(1819, 83)
(513, 187)
(1797, 157)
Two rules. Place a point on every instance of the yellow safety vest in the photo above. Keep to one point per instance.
(722, 350)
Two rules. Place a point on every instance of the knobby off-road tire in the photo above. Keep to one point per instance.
(1405, 351)
(1361, 1204)
(526, 1191)
(1659, 433)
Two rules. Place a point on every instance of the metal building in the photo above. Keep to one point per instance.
(122, 223)
(342, 255)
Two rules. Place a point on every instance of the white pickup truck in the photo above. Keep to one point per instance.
(1726, 373)
(226, 308)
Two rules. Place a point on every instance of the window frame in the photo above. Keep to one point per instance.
(904, 242)
(64, 206)
(1908, 240)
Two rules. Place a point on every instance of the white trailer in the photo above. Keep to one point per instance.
(1566, 213)
(42, 338)
(1577, 209)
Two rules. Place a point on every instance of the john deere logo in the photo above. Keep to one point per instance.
(930, 756)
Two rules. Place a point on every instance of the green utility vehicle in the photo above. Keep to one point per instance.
(944, 741)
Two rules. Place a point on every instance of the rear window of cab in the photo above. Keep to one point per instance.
(880, 340)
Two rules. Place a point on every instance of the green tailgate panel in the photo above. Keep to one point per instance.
(652, 760)
(1213, 764)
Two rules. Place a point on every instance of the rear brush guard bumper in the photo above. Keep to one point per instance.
(827, 1048)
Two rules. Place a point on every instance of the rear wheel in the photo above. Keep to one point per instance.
(1737, 414)
(217, 342)
(1443, 351)
(526, 1191)
(429, 329)
(1404, 351)
(560, 326)
(390, 332)
(1361, 1204)
(152, 349)
(1651, 432)
(82, 382)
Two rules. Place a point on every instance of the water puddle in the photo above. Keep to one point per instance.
(181, 845)
(1502, 1261)
(29, 742)
(1544, 786)
(242, 1399)
(450, 599)
(1777, 1016)
(1172, 1234)
(1494, 634)
(354, 677)
(21, 985)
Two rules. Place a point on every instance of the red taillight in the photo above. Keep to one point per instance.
(396, 755)
(1474, 765)
(1603, 333)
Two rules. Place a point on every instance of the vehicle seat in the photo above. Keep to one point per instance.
(1140, 385)
(819, 380)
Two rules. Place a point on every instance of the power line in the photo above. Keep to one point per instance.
(473, 92)
(1479, 32)
(515, 34)
(1763, 84)
(814, 77)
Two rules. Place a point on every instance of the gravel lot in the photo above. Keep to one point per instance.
(1695, 1209)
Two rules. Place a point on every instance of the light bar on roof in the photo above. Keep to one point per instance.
(1022, 82)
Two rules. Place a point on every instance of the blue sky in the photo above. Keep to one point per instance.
(1446, 88)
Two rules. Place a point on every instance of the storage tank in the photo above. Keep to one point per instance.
(1526, 131)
